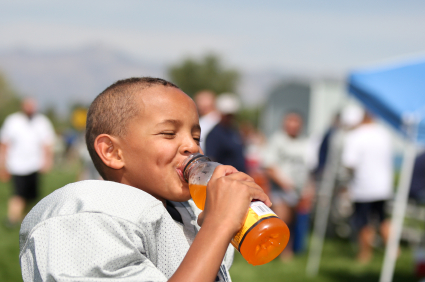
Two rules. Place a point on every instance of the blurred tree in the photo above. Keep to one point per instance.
(9, 100)
(59, 123)
(193, 75)
(251, 115)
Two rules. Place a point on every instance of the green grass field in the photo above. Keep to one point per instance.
(337, 262)
(9, 239)
(337, 265)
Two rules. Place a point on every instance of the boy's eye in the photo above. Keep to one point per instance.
(168, 134)
(197, 139)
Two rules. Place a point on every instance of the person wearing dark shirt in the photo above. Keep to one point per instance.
(324, 146)
(224, 142)
(417, 186)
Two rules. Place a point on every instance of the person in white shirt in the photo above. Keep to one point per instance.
(26, 141)
(367, 153)
(286, 160)
(208, 115)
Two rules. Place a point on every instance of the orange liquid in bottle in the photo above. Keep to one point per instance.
(263, 242)
(199, 194)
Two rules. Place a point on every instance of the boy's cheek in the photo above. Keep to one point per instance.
(183, 195)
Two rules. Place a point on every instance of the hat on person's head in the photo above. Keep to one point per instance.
(228, 103)
(352, 115)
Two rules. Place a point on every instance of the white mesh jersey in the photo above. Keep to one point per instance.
(99, 230)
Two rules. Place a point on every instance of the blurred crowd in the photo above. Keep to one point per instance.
(355, 150)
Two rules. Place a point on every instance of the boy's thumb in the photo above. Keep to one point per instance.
(200, 218)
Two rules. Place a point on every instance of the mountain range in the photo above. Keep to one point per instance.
(63, 78)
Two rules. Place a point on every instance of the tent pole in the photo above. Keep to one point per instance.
(323, 206)
(400, 203)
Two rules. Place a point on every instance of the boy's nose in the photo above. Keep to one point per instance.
(189, 147)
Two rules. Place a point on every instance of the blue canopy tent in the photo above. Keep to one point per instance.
(395, 93)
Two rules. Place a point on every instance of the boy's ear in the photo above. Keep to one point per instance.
(109, 151)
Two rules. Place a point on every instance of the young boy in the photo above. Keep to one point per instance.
(137, 225)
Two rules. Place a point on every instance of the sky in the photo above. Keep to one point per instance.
(323, 36)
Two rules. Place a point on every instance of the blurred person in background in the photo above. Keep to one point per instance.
(417, 194)
(417, 186)
(326, 145)
(254, 143)
(88, 170)
(224, 142)
(208, 115)
(331, 180)
(26, 148)
(286, 161)
(79, 146)
(367, 154)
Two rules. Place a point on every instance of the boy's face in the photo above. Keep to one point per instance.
(158, 140)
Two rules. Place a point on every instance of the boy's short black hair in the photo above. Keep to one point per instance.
(112, 109)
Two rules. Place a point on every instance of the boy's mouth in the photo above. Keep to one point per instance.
(180, 173)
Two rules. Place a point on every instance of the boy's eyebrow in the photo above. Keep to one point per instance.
(172, 121)
(176, 122)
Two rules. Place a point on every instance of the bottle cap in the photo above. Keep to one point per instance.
(191, 159)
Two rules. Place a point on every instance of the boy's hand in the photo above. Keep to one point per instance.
(229, 194)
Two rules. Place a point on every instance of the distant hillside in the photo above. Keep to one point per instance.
(62, 78)
(68, 77)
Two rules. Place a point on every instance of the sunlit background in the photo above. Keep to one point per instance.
(64, 53)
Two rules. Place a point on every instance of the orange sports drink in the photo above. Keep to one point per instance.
(262, 237)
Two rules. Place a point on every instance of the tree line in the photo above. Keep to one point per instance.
(190, 74)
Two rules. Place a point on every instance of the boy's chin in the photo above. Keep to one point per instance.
(180, 198)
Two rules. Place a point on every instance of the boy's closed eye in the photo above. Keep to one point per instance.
(168, 134)
(171, 135)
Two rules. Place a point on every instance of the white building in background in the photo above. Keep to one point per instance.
(317, 101)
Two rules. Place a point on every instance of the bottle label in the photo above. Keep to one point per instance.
(257, 212)
(261, 209)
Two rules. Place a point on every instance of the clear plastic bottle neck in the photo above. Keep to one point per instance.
(191, 162)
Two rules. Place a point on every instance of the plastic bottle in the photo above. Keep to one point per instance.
(263, 235)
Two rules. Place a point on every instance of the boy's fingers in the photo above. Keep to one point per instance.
(257, 193)
(227, 170)
(233, 174)
(240, 176)
(223, 170)
(201, 217)
(230, 171)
